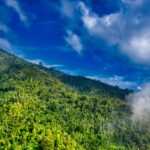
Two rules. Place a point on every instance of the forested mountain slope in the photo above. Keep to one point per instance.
(89, 86)
(86, 85)
(39, 112)
(82, 84)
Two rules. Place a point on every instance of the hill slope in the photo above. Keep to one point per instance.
(88, 86)
(82, 84)
(38, 111)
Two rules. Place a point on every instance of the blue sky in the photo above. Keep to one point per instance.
(108, 40)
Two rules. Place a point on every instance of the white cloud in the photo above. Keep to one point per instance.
(67, 8)
(90, 20)
(38, 61)
(100, 26)
(15, 5)
(55, 65)
(70, 72)
(129, 28)
(74, 41)
(4, 28)
(140, 103)
(5, 44)
(109, 20)
(34, 61)
(138, 47)
(115, 81)
(133, 3)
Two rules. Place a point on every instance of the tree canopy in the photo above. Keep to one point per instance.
(43, 109)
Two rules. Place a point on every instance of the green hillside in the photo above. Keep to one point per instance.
(88, 86)
(44, 109)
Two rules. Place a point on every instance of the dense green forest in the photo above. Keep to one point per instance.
(44, 109)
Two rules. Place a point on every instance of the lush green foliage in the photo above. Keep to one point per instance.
(88, 86)
(40, 112)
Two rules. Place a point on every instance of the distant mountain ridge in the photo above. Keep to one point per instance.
(82, 84)
(90, 86)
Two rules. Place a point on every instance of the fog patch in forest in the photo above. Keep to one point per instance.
(140, 104)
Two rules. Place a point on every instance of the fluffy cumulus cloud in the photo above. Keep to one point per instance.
(115, 81)
(15, 5)
(138, 47)
(90, 20)
(74, 41)
(140, 102)
(105, 27)
(128, 28)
